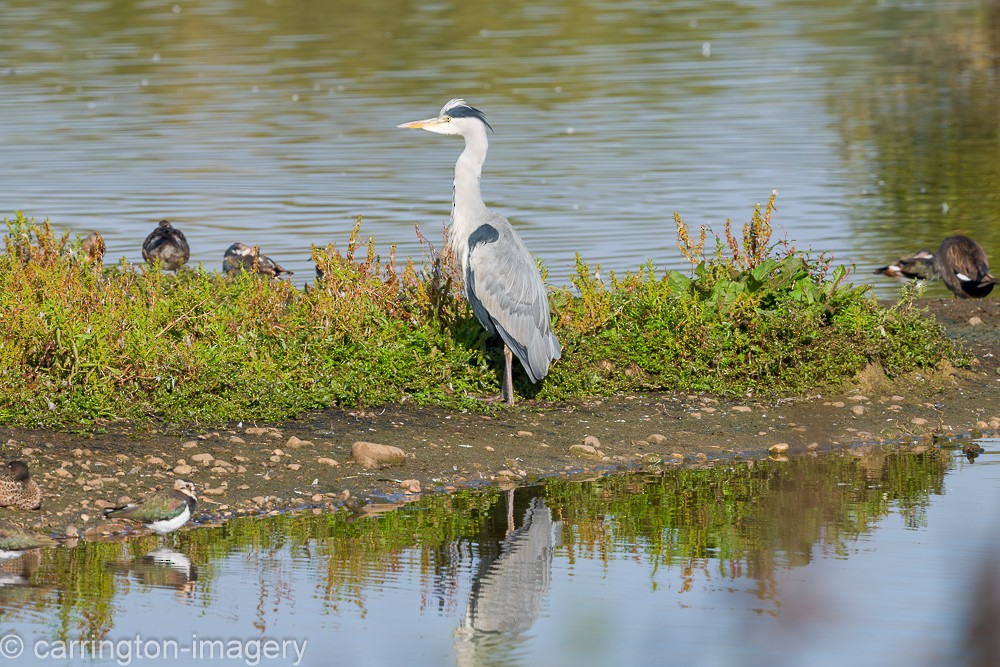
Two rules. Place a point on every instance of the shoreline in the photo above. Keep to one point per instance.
(306, 463)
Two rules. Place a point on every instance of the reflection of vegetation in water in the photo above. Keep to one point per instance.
(744, 519)
(85, 343)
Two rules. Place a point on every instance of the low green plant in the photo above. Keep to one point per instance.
(83, 343)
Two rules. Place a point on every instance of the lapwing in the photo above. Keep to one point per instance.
(242, 257)
(168, 245)
(161, 512)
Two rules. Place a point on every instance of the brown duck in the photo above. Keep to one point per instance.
(17, 489)
(960, 262)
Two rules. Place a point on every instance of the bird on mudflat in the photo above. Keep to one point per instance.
(960, 262)
(167, 245)
(163, 511)
(242, 257)
(17, 489)
(912, 267)
(15, 541)
(501, 279)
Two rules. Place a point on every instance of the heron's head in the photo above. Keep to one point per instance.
(456, 117)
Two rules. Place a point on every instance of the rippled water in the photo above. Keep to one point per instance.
(865, 558)
(274, 123)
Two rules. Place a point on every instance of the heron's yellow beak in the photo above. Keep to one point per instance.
(420, 124)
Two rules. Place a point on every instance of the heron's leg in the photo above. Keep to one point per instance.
(508, 376)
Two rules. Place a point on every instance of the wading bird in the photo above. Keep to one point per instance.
(17, 489)
(168, 245)
(241, 257)
(502, 283)
(960, 262)
(161, 512)
(14, 541)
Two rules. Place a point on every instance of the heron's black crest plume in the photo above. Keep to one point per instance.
(459, 108)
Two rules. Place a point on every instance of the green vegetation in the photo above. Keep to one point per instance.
(744, 519)
(83, 343)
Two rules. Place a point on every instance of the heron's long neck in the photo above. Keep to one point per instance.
(468, 206)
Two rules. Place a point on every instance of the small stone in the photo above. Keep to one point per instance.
(316, 497)
(72, 531)
(274, 459)
(236, 440)
(695, 415)
(27, 451)
(897, 398)
(324, 461)
(62, 472)
(857, 398)
(372, 455)
(77, 452)
(858, 410)
(656, 439)
(838, 404)
(217, 491)
(812, 446)
(489, 449)
(183, 469)
(204, 458)
(294, 466)
(102, 504)
(918, 421)
(586, 451)
(410, 485)
(243, 487)
(278, 452)
(975, 321)
(778, 448)
(592, 442)
(241, 459)
(742, 408)
(155, 460)
(295, 442)
(524, 434)
(270, 432)
(190, 444)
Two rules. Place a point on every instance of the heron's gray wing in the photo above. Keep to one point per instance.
(507, 295)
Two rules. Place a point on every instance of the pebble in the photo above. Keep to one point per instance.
(274, 459)
(919, 421)
(838, 404)
(489, 449)
(155, 460)
(592, 442)
(975, 321)
(656, 439)
(72, 531)
(858, 410)
(278, 452)
(294, 466)
(324, 461)
(269, 431)
(62, 472)
(410, 486)
(897, 398)
(183, 469)
(778, 448)
(295, 442)
(189, 444)
(102, 504)
(585, 450)
(742, 408)
(524, 434)
(236, 440)
(217, 491)
(204, 458)
(371, 454)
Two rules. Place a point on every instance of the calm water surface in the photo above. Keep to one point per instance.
(865, 559)
(274, 123)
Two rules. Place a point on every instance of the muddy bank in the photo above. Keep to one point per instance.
(260, 468)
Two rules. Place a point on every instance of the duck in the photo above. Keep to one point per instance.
(17, 489)
(92, 247)
(167, 245)
(960, 262)
(162, 512)
(15, 541)
(242, 257)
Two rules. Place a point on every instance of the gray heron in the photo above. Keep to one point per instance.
(168, 245)
(502, 283)
(960, 262)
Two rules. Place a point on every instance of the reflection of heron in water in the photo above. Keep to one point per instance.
(507, 596)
